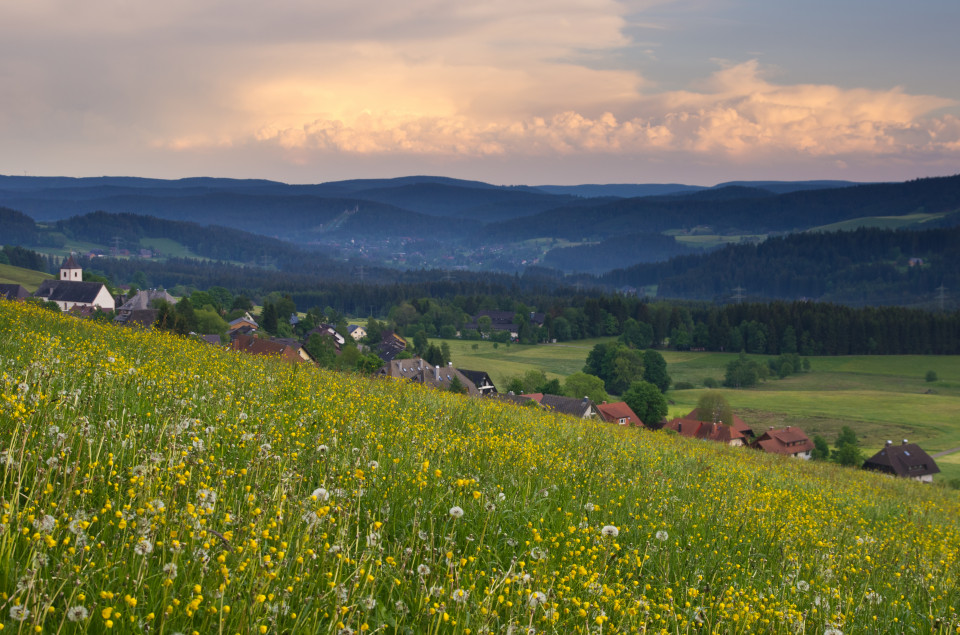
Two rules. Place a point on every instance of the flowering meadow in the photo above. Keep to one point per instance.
(159, 485)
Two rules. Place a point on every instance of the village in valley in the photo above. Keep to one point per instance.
(392, 359)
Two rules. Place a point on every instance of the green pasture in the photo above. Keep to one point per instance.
(707, 241)
(27, 278)
(881, 222)
(168, 248)
(881, 397)
(502, 362)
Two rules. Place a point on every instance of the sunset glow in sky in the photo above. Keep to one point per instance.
(518, 91)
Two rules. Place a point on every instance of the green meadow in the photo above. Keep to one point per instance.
(27, 278)
(154, 484)
(880, 397)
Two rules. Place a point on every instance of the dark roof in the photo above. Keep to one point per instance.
(907, 459)
(70, 263)
(567, 405)
(144, 318)
(391, 345)
(13, 292)
(519, 400)
(211, 338)
(67, 291)
(142, 299)
(478, 377)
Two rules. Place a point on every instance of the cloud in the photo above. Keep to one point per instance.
(736, 113)
(301, 82)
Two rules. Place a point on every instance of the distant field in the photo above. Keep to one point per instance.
(28, 278)
(882, 222)
(556, 360)
(168, 248)
(881, 397)
(707, 241)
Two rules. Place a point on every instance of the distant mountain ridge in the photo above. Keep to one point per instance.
(430, 221)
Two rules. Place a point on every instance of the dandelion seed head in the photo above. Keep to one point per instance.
(610, 531)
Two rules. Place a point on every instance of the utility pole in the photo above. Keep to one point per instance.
(941, 295)
(738, 296)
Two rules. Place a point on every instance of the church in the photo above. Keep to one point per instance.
(71, 292)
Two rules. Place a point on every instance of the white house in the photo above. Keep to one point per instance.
(70, 291)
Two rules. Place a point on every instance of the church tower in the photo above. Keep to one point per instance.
(70, 271)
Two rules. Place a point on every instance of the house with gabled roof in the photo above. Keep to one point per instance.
(480, 379)
(259, 346)
(618, 412)
(907, 460)
(390, 346)
(13, 292)
(580, 408)
(327, 330)
(245, 321)
(790, 441)
(357, 332)
(420, 371)
(296, 345)
(70, 292)
(499, 321)
(139, 311)
(707, 431)
(737, 424)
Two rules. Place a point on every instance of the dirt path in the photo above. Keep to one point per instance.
(945, 452)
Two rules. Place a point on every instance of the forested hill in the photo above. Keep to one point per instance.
(739, 210)
(866, 266)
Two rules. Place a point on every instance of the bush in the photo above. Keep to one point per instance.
(683, 385)
(710, 382)
(931, 375)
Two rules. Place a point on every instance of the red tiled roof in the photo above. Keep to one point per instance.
(614, 412)
(738, 424)
(789, 440)
(706, 430)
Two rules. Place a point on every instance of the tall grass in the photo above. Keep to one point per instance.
(153, 484)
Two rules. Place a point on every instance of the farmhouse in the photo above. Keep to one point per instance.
(707, 431)
(790, 441)
(481, 380)
(619, 413)
(258, 346)
(356, 332)
(139, 311)
(737, 424)
(907, 460)
(580, 408)
(420, 371)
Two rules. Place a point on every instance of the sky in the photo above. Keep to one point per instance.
(503, 91)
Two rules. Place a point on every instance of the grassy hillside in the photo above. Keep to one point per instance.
(28, 278)
(880, 396)
(153, 483)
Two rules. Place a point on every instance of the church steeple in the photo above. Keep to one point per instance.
(70, 270)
